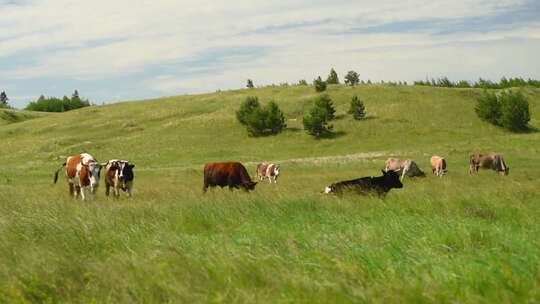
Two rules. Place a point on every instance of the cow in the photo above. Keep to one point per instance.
(438, 165)
(82, 172)
(231, 174)
(405, 167)
(119, 175)
(379, 185)
(493, 161)
(268, 170)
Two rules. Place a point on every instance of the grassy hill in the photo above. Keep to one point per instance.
(9, 116)
(458, 238)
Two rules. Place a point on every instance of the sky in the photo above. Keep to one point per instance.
(136, 49)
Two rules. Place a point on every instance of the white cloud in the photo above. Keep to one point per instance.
(99, 39)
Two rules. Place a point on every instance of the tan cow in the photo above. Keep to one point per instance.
(493, 161)
(404, 167)
(82, 172)
(438, 165)
(268, 170)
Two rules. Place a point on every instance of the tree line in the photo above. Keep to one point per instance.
(504, 83)
(54, 104)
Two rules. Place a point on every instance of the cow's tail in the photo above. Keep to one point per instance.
(56, 173)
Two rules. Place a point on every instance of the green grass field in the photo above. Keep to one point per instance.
(457, 239)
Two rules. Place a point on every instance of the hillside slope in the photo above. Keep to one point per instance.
(9, 116)
(456, 239)
(191, 130)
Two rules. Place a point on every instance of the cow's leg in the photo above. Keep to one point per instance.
(71, 190)
(402, 174)
(107, 189)
(82, 193)
(129, 189)
(116, 190)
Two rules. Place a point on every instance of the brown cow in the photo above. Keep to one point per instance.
(438, 165)
(493, 161)
(82, 172)
(231, 174)
(268, 170)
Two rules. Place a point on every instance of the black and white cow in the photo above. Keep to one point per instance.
(379, 185)
(119, 175)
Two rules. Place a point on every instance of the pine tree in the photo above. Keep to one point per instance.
(315, 122)
(357, 108)
(332, 77)
(325, 102)
(320, 86)
(4, 100)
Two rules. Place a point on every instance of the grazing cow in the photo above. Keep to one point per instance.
(405, 167)
(119, 175)
(491, 161)
(270, 171)
(231, 174)
(379, 185)
(438, 165)
(82, 172)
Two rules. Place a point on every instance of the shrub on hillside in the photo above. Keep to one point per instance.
(53, 104)
(275, 120)
(357, 108)
(316, 122)
(319, 84)
(261, 120)
(515, 113)
(247, 108)
(302, 82)
(508, 109)
(250, 84)
(352, 78)
(488, 108)
(325, 102)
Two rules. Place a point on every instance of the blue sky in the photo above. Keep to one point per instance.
(136, 49)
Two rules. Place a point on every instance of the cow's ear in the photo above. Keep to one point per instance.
(131, 166)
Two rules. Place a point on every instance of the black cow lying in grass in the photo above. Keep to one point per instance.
(379, 185)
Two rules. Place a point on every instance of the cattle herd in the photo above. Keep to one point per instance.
(83, 174)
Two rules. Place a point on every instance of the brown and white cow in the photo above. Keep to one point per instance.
(405, 167)
(119, 175)
(493, 161)
(268, 170)
(438, 165)
(227, 174)
(82, 172)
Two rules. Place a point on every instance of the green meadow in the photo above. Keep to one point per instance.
(455, 239)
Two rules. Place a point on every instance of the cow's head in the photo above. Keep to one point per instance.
(391, 179)
(126, 172)
(330, 189)
(249, 185)
(276, 169)
(94, 170)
